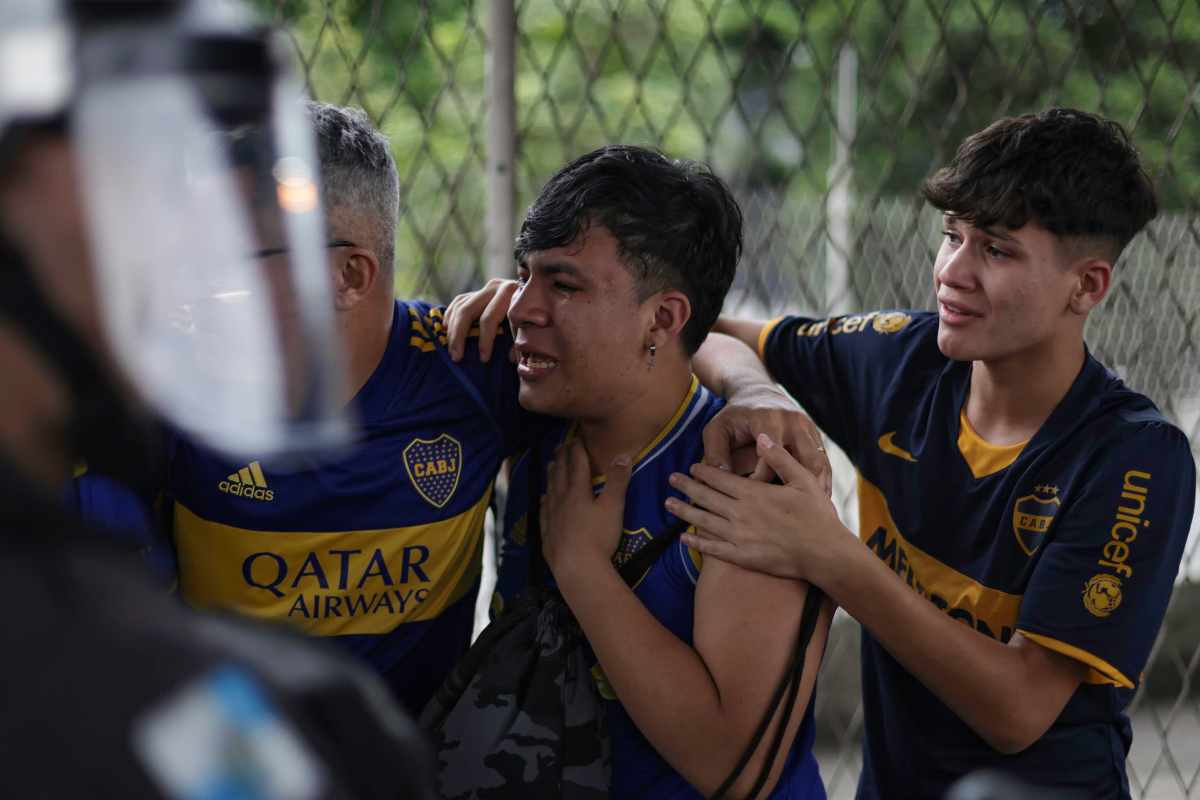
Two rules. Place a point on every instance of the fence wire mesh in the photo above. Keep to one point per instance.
(824, 115)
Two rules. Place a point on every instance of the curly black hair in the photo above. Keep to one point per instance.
(675, 222)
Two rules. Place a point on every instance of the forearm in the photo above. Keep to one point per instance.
(746, 331)
(990, 685)
(662, 682)
(724, 364)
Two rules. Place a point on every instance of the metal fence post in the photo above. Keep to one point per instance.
(839, 297)
(502, 137)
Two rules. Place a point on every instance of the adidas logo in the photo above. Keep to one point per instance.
(248, 481)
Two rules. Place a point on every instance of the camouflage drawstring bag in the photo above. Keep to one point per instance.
(520, 717)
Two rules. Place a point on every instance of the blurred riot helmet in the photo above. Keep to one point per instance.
(196, 178)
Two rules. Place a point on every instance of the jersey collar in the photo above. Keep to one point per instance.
(1070, 412)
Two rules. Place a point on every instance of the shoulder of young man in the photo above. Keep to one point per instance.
(1125, 444)
(1116, 414)
(1144, 433)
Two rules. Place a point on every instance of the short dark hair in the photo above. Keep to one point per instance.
(1075, 174)
(675, 222)
(358, 174)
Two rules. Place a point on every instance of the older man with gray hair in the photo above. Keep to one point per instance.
(378, 550)
(362, 202)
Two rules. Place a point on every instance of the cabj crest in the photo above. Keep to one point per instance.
(433, 466)
(631, 542)
(1032, 515)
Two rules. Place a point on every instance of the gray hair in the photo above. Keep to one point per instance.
(358, 174)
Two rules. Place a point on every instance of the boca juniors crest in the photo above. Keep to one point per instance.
(1032, 515)
(433, 466)
(631, 542)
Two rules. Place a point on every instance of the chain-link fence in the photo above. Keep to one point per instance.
(824, 115)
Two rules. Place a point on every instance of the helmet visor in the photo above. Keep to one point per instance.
(210, 259)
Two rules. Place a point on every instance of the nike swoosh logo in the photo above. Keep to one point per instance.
(888, 446)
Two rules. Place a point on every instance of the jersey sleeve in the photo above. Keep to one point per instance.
(1100, 589)
(837, 368)
(492, 384)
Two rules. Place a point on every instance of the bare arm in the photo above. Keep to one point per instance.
(1009, 694)
(725, 364)
(698, 706)
(748, 331)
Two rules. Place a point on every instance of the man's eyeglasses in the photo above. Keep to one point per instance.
(276, 251)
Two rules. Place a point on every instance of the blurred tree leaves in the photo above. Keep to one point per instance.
(747, 85)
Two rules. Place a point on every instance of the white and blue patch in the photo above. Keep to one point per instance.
(220, 738)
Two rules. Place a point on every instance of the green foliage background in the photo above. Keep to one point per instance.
(747, 85)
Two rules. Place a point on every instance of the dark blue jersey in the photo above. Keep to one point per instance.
(1072, 538)
(379, 549)
(117, 511)
(667, 590)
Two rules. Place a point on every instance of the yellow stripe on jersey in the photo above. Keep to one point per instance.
(762, 338)
(983, 457)
(1101, 671)
(417, 325)
(437, 315)
(693, 387)
(421, 344)
(988, 610)
(662, 434)
(422, 339)
(331, 583)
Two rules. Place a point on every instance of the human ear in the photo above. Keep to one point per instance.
(672, 310)
(1093, 280)
(354, 277)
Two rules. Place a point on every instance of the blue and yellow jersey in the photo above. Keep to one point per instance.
(379, 549)
(1072, 538)
(667, 590)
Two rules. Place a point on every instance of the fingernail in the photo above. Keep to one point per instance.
(765, 441)
(674, 478)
